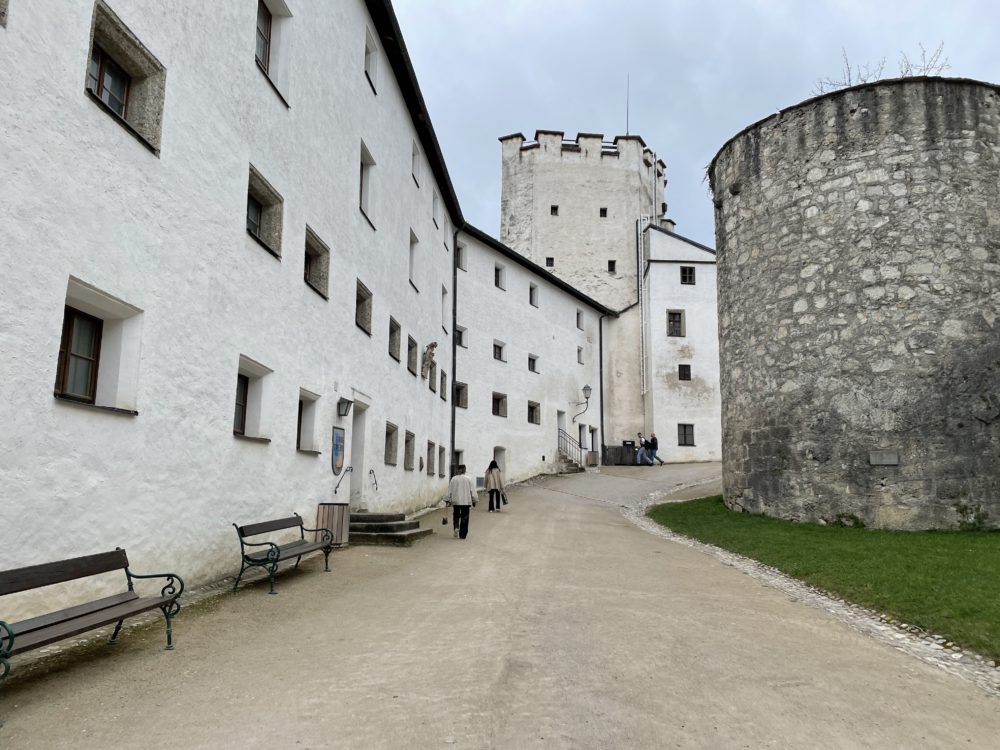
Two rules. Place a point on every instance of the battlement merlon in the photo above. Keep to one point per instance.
(633, 147)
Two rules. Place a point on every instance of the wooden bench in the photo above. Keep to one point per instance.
(275, 553)
(18, 637)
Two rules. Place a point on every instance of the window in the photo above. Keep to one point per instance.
(553, 210)
(391, 444)
(458, 458)
(604, 212)
(365, 187)
(263, 54)
(408, 442)
(79, 356)
(264, 213)
(431, 452)
(394, 339)
(675, 323)
(685, 434)
(612, 266)
(687, 274)
(499, 276)
(549, 261)
(499, 404)
(445, 312)
(305, 437)
(371, 59)
(363, 308)
(316, 269)
(411, 355)
(579, 354)
(579, 319)
(534, 413)
(683, 372)
(441, 461)
(533, 295)
(435, 208)
(413, 259)
(532, 363)
(444, 386)
(415, 164)
(247, 416)
(498, 347)
(460, 338)
(461, 395)
(460, 257)
(432, 377)
(124, 78)
(3, 13)
(99, 349)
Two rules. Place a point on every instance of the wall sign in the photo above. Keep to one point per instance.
(337, 454)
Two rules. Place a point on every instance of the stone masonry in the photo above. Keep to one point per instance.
(858, 240)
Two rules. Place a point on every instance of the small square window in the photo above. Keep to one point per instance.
(363, 308)
(534, 413)
(499, 277)
(461, 395)
(316, 270)
(460, 337)
(305, 433)
(394, 339)
(444, 386)
(498, 351)
(499, 404)
(533, 295)
(550, 262)
(411, 356)
(687, 274)
(579, 319)
(685, 434)
(264, 213)
(409, 441)
(553, 210)
(604, 212)
(371, 60)
(532, 363)
(391, 444)
(612, 266)
(675, 323)
(683, 372)
(579, 354)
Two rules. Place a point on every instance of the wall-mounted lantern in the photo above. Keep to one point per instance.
(344, 407)
(587, 390)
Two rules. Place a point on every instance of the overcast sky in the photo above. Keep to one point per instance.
(700, 72)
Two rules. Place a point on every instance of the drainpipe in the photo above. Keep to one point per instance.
(600, 377)
(454, 345)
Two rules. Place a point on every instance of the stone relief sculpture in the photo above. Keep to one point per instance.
(428, 360)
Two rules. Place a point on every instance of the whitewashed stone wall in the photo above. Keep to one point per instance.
(83, 199)
(548, 331)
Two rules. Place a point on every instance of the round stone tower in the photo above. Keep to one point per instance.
(858, 238)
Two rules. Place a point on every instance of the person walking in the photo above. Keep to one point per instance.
(653, 445)
(640, 457)
(494, 485)
(461, 495)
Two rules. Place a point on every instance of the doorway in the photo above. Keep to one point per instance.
(500, 456)
(358, 423)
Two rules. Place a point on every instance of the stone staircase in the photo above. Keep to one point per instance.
(385, 528)
(568, 466)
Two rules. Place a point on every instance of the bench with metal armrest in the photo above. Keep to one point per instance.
(273, 553)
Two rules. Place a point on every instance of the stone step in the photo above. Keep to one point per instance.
(377, 517)
(397, 539)
(385, 526)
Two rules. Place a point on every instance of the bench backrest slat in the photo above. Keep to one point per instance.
(36, 576)
(252, 529)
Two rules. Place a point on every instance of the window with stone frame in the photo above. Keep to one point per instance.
(499, 404)
(461, 395)
(432, 377)
(365, 184)
(685, 434)
(408, 444)
(683, 372)
(532, 363)
(444, 386)
(265, 207)
(395, 336)
(316, 264)
(431, 453)
(411, 356)
(687, 275)
(441, 460)
(391, 444)
(363, 308)
(534, 412)
(124, 78)
(675, 323)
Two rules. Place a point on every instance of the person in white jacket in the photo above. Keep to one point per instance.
(461, 495)
(493, 483)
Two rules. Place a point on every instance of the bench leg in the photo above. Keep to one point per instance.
(169, 612)
(326, 554)
(272, 570)
(243, 567)
(297, 561)
(4, 668)
(114, 636)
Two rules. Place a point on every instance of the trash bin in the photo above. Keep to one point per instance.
(628, 452)
(337, 518)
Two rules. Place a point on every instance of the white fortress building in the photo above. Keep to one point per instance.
(237, 282)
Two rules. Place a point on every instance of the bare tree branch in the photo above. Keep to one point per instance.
(854, 75)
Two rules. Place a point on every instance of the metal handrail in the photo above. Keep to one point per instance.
(347, 469)
(374, 478)
(570, 448)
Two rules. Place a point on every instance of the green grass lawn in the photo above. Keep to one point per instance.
(947, 582)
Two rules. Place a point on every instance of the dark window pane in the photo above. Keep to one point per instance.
(240, 417)
(263, 36)
(254, 211)
(79, 377)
